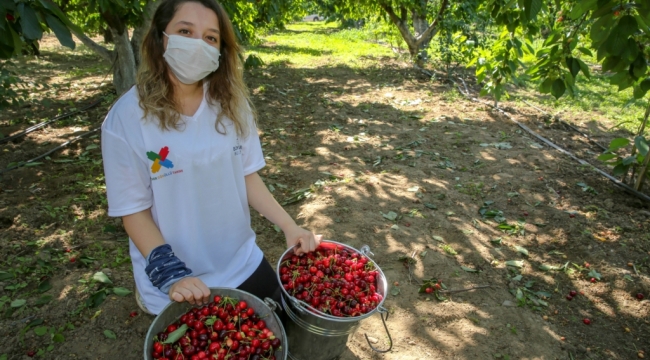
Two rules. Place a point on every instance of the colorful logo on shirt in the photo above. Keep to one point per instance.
(160, 160)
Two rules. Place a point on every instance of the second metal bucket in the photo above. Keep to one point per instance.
(313, 335)
(265, 310)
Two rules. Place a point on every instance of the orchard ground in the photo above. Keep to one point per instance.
(383, 156)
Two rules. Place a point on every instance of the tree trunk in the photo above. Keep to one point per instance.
(140, 31)
(122, 58)
(420, 40)
(98, 49)
(646, 162)
(401, 23)
(634, 149)
(124, 61)
(420, 25)
(124, 68)
(108, 36)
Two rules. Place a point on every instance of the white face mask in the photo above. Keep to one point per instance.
(190, 59)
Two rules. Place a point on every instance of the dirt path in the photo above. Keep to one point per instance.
(364, 143)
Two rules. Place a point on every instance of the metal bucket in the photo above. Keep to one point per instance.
(264, 309)
(314, 335)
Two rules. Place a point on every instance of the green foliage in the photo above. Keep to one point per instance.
(253, 61)
(23, 22)
(460, 35)
(497, 65)
(572, 31)
(622, 164)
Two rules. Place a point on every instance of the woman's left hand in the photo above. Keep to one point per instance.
(304, 240)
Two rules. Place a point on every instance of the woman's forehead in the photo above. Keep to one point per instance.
(196, 15)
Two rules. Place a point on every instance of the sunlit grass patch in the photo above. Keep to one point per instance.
(596, 95)
(311, 45)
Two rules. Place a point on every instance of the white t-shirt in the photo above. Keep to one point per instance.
(193, 181)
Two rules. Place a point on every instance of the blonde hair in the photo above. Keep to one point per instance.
(226, 85)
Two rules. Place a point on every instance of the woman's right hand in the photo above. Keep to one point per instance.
(190, 289)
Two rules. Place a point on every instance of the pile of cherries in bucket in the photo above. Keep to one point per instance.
(333, 280)
(223, 329)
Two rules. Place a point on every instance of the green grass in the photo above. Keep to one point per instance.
(311, 45)
(593, 94)
(596, 95)
(595, 98)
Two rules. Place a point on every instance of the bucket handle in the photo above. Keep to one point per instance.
(299, 305)
(382, 311)
(365, 250)
(272, 304)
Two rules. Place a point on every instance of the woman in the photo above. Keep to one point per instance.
(181, 155)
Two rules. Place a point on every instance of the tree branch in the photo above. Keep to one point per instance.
(433, 29)
(403, 13)
(401, 25)
(140, 31)
(115, 22)
(100, 50)
(389, 10)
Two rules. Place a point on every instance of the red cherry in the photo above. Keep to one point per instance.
(214, 347)
(525, 213)
(30, 353)
(73, 259)
(171, 328)
(640, 296)
(569, 297)
(188, 350)
(428, 290)
(593, 280)
(133, 314)
(572, 216)
(573, 293)
(586, 321)
(218, 325)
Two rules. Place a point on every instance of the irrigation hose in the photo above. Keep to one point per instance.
(619, 183)
(40, 125)
(76, 138)
(566, 123)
